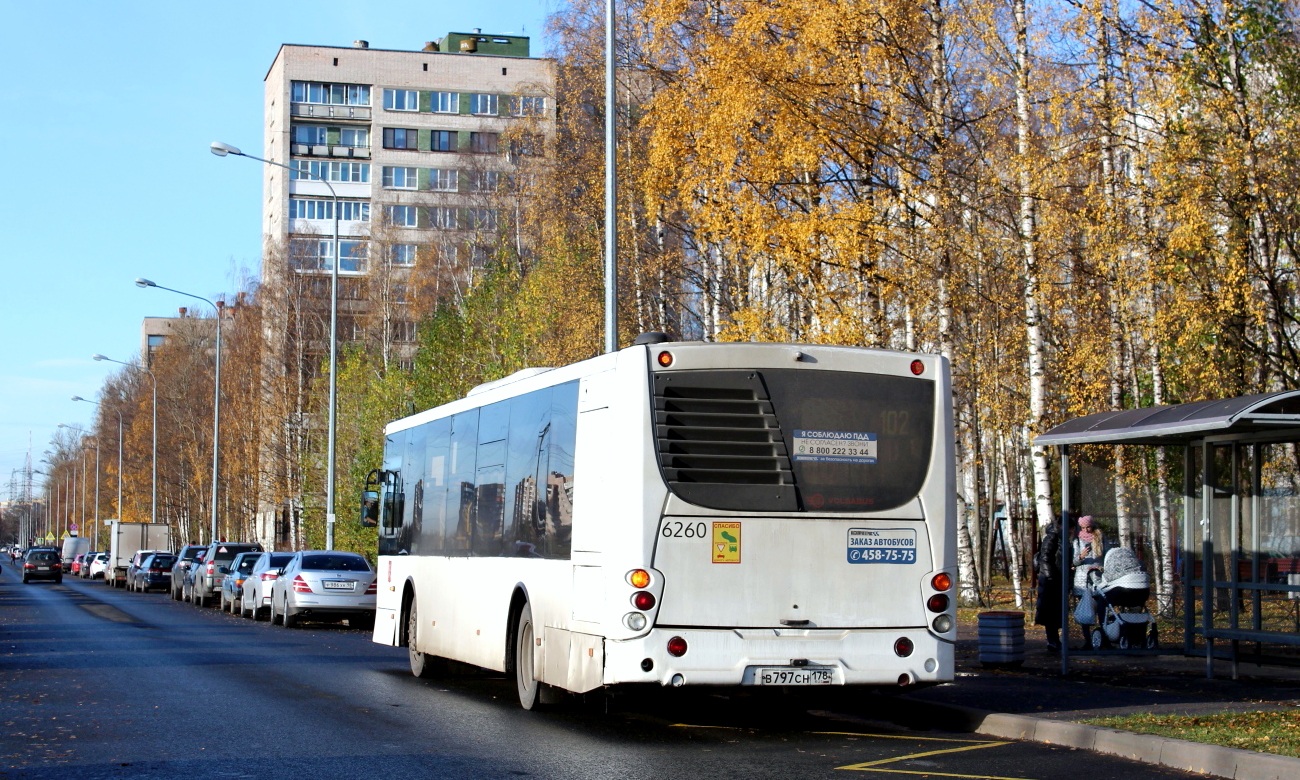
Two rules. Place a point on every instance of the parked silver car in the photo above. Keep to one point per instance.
(232, 585)
(324, 585)
(256, 601)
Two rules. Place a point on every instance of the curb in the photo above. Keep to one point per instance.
(1198, 757)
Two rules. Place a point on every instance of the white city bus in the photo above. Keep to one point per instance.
(678, 513)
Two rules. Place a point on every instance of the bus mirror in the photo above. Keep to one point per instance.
(370, 509)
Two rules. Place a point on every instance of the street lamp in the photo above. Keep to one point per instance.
(82, 431)
(119, 467)
(221, 150)
(216, 393)
(153, 500)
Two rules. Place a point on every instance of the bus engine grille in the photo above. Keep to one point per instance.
(719, 441)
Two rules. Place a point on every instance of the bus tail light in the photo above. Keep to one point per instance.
(643, 600)
(903, 647)
(677, 647)
(937, 603)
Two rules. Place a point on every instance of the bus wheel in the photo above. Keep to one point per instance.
(527, 685)
(422, 664)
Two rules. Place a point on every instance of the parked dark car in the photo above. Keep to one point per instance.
(203, 581)
(184, 559)
(155, 571)
(232, 585)
(133, 568)
(42, 563)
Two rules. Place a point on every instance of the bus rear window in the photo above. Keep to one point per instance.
(793, 440)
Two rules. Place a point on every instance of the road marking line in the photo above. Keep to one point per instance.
(877, 766)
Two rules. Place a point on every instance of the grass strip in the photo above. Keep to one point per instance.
(1272, 731)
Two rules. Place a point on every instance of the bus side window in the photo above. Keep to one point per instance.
(370, 509)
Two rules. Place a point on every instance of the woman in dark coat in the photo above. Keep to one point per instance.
(1047, 565)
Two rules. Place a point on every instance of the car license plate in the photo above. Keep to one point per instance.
(781, 675)
(42, 568)
(337, 585)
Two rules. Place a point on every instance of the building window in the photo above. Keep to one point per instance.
(400, 178)
(446, 102)
(526, 145)
(485, 181)
(323, 208)
(400, 294)
(401, 138)
(403, 216)
(315, 170)
(329, 94)
(481, 219)
(527, 105)
(355, 137)
(317, 254)
(442, 141)
(403, 331)
(483, 104)
(483, 143)
(401, 100)
(443, 217)
(444, 179)
(311, 135)
(402, 254)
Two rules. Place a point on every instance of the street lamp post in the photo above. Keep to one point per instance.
(221, 150)
(119, 467)
(153, 500)
(216, 393)
(95, 519)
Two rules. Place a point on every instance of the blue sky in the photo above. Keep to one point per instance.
(112, 106)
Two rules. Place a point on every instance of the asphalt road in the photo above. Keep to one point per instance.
(97, 682)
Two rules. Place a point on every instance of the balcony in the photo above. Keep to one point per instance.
(320, 111)
(320, 150)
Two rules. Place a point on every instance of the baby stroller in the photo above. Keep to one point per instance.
(1112, 611)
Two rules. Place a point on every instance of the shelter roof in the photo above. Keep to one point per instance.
(1181, 423)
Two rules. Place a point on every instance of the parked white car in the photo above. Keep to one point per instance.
(255, 603)
(324, 585)
(98, 565)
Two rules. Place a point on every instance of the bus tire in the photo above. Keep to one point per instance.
(422, 664)
(527, 686)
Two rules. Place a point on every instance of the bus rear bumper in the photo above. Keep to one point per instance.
(781, 657)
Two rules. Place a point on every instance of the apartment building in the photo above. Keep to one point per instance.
(415, 150)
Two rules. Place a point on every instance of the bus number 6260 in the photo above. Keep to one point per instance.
(678, 530)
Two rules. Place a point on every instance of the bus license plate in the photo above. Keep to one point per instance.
(786, 676)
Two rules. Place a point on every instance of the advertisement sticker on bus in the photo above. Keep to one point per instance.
(882, 545)
(834, 447)
(726, 542)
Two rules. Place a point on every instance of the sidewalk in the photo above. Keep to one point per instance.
(1034, 702)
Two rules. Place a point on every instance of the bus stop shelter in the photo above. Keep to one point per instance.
(1238, 540)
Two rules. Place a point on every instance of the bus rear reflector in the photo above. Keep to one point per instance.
(677, 647)
(903, 647)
